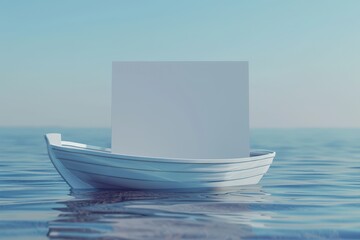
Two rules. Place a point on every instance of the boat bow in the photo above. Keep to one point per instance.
(54, 139)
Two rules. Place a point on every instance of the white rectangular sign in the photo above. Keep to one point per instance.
(192, 110)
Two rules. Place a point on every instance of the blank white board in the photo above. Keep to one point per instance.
(192, 110)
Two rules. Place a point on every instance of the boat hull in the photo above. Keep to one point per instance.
(84, 167)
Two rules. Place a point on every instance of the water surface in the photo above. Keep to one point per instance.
(312, 191)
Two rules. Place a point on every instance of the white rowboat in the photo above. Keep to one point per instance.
(86, 167)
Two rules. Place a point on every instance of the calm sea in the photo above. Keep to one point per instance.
(312, 191)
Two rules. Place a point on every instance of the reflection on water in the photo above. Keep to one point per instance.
(158, 215)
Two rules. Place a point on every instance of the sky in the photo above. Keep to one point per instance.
(56, 56)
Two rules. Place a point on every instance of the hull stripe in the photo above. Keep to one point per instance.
(149, 170)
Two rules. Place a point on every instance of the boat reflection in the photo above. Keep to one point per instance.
(157, 215)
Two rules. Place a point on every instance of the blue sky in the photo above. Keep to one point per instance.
(55, 56)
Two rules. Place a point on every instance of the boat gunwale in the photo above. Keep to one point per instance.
(261, 154)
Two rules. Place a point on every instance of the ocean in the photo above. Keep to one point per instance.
(311, 191)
